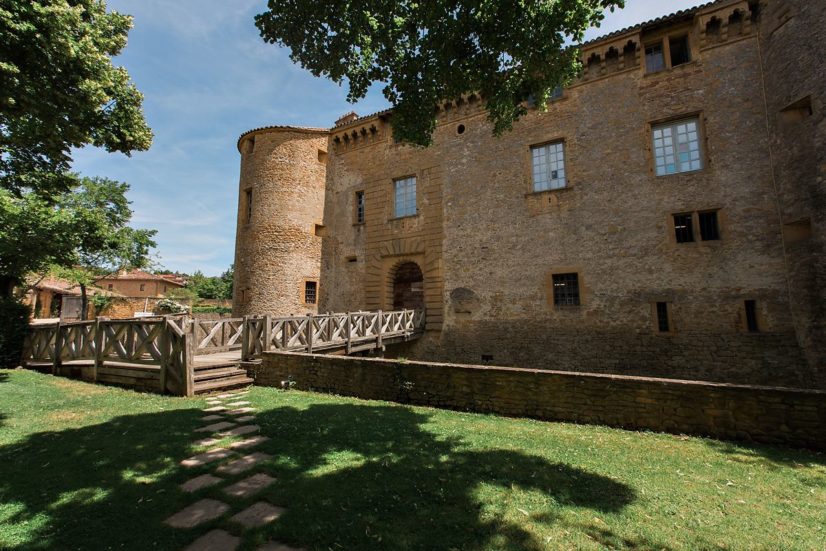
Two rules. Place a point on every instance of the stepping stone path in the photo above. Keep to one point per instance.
(258, 515)
(205, 510)
(241, 431)
(197, 513)
(203, 481)
(243, 464)
(215, 540)
(249, 486)
(216, 427)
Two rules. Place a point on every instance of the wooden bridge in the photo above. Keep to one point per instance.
(181, 356)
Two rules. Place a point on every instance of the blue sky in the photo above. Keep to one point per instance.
(207, 77)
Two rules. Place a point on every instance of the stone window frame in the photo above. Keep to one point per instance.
(392, 194)
(702, 138)
(303, 292)
(142, 287)
(246, 206)
(655, 318)
(663, 38)
(722, 221)
(528, 166)
(584, 290)
(759, 317)
(356, 220)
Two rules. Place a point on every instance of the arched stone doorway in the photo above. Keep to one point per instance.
(408, 287)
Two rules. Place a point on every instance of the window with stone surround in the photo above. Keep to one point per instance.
(667, 52)
(696, 226)
(677, 146)
(566, 289)
(310, 292)
(709, 225)
(684, 228)
(404, 197)
(359, 214)
(751, 316)
(663, 318)
(548, 166)
(248, 204)
(143, 286)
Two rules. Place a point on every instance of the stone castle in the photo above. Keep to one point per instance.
(664, 216)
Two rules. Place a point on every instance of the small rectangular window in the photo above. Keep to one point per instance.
(566, 289)
(680, 52)
(709, 228)
(684, 228)
(359, 207)
(548, 166)
(677, 147)
(110, 286)
(663, 324)
(310, 292)
(248, 201)
(405, 197)
(654, 58)
(143, 286)
(751, 316)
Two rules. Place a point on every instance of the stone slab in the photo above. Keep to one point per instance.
(245, 418)
(238, 404)
(211, 418)
(198, 513)
(249, 486)
(215, 454)
(215, 409)
(258, 514)
(215, 427)
(199, 482)
(215, 540)
(248, 443)
(244, 463)
(275, 546)
(241, 411)
(241, 431)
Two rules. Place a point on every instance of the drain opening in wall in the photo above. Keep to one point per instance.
(460, 129)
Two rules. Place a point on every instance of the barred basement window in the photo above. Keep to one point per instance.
(548, 166)
(709, 228)
(359, 207)
(684, 228)
(566, 289)
(751, 316)
(310, 292)
(663, 324)
(405, 197)
(677, 147)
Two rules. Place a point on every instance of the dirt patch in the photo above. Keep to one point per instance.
(64, 416)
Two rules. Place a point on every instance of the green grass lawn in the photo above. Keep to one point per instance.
(91, 467)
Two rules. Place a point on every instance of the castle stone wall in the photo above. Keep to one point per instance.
(277, 247)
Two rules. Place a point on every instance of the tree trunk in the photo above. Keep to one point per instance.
(84, 302)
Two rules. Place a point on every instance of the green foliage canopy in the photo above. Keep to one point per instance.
(59, 90)
(84, 230)
(425, 52)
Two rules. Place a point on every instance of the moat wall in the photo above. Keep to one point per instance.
(762, 414)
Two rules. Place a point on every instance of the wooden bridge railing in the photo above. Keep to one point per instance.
(350, 331)
(164, 342)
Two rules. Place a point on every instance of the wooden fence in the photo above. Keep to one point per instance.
(348, 332)
(163, 353)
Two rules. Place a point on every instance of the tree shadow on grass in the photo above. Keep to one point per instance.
(773, 457)
(373, 477)
(104, 486)
(351, 477)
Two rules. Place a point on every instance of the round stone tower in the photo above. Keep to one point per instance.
(280, 208)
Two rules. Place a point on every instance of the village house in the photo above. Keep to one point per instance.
(664, 216)
(140, 284)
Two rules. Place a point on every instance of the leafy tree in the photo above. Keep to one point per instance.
(81, 233)
(206, 287)
(59, 90)
(228, 277)
(425, 52)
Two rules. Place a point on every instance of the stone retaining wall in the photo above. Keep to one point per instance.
(764, 414)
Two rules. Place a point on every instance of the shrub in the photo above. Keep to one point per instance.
(14, 326)
(211, 310)
(169, 305)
